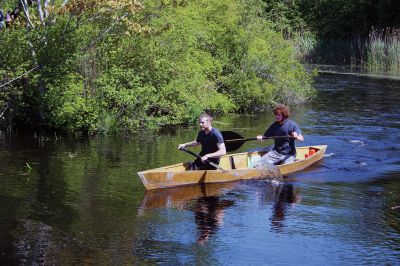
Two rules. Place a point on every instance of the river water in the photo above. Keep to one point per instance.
(67, 201)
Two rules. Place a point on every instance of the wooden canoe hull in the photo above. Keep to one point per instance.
(237, 167)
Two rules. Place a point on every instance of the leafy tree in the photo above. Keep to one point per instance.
(52, 39)
(286, 16)
(112, 65)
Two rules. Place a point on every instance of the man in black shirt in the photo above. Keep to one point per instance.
(212, 144)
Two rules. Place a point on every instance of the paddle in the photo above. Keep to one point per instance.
(199, 157)
(234, 141)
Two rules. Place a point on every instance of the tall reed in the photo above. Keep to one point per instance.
(383, 50)
(378, 52)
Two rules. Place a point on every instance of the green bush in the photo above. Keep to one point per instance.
(161, 65)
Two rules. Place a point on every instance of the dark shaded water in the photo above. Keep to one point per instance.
(69, 201)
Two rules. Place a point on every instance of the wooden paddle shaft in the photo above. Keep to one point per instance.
(199, 157)
(273, 137)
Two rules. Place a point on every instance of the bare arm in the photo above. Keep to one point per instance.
(188, 144)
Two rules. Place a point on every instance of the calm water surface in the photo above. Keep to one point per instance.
(79, 201)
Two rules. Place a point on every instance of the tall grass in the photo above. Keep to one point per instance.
(378, 52)
(305, 45)
(330, 51)
(383, 50)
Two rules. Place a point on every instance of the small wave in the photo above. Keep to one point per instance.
(356, 141)
(329, 155)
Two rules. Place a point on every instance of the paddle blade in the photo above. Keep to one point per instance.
(230, 135)
(234, 145)
(233, 140)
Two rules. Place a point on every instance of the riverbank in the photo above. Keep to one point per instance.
(351, 71)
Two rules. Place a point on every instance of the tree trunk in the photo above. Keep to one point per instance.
(24, 5)
(40, 12)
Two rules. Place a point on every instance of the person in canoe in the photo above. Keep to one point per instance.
(284, 150)
(212, 144)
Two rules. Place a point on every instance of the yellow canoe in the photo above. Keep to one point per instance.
(237, 166)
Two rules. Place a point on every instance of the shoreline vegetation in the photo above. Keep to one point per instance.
(377, 53)
(110, 66)
(107, 66)
(361, 34)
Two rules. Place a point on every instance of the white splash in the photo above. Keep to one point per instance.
(356, 141)
(276, 182)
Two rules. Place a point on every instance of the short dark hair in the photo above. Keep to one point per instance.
(206, 116)
(283, 110)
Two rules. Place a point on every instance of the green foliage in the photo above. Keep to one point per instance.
(68, 107)
(28, 167)
(357, 32)
(163, 65)
(343, 18)
(383, 51)
(286, 16)
(266, 71)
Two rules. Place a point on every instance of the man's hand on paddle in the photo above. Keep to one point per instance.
(299, 137)
(181, 146)
(220, 152)
(193, 143)
(204, 158)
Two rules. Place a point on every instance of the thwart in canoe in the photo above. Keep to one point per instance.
(237, 166)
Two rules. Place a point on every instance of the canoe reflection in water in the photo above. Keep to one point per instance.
(204, 200)
(208, 202)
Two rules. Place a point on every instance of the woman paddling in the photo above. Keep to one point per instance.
(284, 150)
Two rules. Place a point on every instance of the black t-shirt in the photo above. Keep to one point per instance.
(209, 142)
(285, 146)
